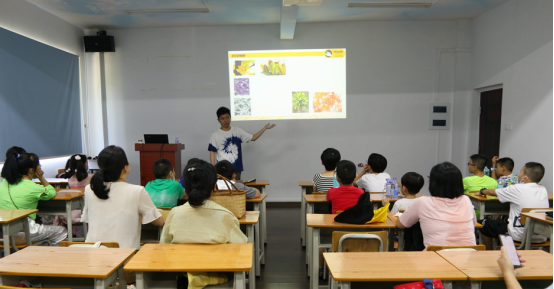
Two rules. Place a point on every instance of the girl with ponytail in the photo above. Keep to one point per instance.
(18, 191)
(76, 170)
(115, 209)
(201, 221)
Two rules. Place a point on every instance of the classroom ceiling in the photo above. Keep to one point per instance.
(110, 14)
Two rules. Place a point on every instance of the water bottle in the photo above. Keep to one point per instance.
(487, 171)
(501, 184)
(335, 182)
(394, 189)
(176, 140)
(388, 187)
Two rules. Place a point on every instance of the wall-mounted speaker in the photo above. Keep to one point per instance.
(99, 44)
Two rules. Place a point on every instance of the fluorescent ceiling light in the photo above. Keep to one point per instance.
(389, 5)
(152, 11)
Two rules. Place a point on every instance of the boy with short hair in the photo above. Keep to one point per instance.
(502, 171)
(225, 143)
(411, 185)
(346, 195)
(528, 193)
(324, 181)
(164, 190)
(373, 177)
(479, 180)
(226, 169)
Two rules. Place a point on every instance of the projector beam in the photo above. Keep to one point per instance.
(288, 21)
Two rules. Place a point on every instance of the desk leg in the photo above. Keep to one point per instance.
(475, 284)
(529, 236)
(314, 264)
(27, 231)
(254, 239)
(345, 285)
(375, 206)
(390, 246)
(400, 239)
(264, 222)
(309, 249)
(311, 208)
(140, 282)
(481, 210)
(240, 280)
(6, 236)
(303, 216)
(447, 284)
(69, 221)
(257, 229)
(122, 278)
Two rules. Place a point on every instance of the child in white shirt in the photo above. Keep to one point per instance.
(528, 193)
(411, 185)
(373, 177)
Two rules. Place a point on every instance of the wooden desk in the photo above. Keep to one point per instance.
(260, 205)
(537, 223)
(156, 265)
(103, 265)
(55, 182)
(400, 232)
(306, 187)
(491, 205)
(13, 221)
(63, 203)
(317, 221)
(482, 266)
(383, 266)
(259, 184)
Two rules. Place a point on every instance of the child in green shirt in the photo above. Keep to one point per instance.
(164, 190)
(18, 191)
(479, 180)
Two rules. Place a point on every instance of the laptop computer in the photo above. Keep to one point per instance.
(156, 138)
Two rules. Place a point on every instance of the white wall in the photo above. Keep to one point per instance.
(28, 20)
(513, 48)
(172, 80)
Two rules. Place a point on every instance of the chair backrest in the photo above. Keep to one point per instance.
(450, 248)
(164, 212)
(89, 244)
(532, 210)
(61, 171)
(373, 241)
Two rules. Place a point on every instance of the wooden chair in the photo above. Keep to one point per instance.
(521, 245)
(21, 246)
(61, 171)
(104, 244)
(342, 241)
(435, 248)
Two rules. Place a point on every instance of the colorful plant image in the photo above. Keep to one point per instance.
(242, 67)
(274, 68)
(327, 102)
(243, 106)
(300, 101)
(242, 86)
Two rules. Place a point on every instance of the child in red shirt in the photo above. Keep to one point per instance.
(346, 195)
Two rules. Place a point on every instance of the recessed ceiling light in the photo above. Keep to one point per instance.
(152, 11)
(389, 5)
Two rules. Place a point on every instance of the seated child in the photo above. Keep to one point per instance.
(479, 180)
(164, 190)
(76, 170)
(201, 221)
(502, 171)
(346, 195)
(411, 184)
(226, 169)
(373, 177)
(528, 193)
(324, 181)
(18, 191)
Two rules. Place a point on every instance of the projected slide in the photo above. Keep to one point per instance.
(288, 84)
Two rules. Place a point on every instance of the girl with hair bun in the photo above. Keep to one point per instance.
(115, 209)
(201, 221)
(76, 171)
(18, 191)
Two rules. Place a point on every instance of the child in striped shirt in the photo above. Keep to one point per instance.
(324, 181)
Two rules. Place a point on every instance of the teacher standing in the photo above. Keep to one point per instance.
(225, 143)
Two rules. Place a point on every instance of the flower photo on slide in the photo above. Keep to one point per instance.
(327, 102)
(242, 86)
(300, 101)
(243, 106)
(242, 67)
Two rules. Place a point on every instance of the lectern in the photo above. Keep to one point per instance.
(150, 152)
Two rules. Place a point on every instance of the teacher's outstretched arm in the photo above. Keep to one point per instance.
(259, 134)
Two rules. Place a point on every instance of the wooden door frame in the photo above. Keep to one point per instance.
(473, 139)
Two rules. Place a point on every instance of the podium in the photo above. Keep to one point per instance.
(150, 152)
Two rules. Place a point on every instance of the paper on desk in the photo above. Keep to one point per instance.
(398, 214)
(222, 186)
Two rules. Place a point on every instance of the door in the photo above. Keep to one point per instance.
(490, 123)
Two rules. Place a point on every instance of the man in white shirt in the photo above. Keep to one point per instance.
(373, 177)
(528, 193)
(225, 143)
